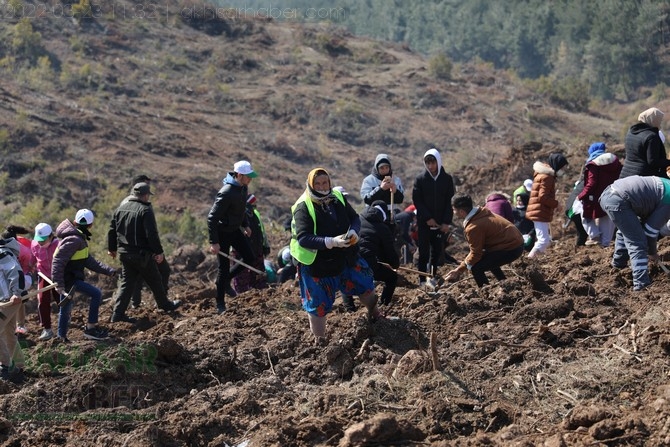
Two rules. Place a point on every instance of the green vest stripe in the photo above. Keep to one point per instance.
(306, 255)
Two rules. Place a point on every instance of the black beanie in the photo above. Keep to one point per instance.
(557, 161)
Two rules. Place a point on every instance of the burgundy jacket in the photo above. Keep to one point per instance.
(598, 174)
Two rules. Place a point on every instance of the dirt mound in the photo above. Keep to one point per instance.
(574, 362)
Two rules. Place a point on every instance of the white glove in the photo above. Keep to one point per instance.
(336, 242)
(352, 237)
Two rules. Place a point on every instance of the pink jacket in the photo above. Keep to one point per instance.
(43, 256)
(25, 256)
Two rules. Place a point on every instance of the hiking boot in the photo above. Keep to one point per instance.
(172, 306)
(221, 308)
(63, 340)
(230, 291)
(47, 334)
(96, 333)
(21, 330)
(122, 318)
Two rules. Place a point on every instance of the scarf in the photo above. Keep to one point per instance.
(313, 194)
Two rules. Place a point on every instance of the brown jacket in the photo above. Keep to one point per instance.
(542, 201)
(489, 232)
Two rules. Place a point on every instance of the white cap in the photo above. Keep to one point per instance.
(42, 232)
(528, 184)
(244, 167)
(84, 217)
(341, 189)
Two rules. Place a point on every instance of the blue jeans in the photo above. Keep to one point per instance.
(66, 309)
(631, 241)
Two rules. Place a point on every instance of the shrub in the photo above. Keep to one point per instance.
(82, 10)
(439, 67)
(5, 146)
(569, 92)
(41, 77)
(83, 77)
(25, 41)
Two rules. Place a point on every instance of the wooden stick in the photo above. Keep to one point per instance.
(242, 263)
(29, 295)
(45, 277)
(433, 351)
(405, 269)
(272, 368)
(625, 351)
(363, 350)
(391, 218)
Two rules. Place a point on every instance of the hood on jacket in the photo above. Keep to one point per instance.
(651, 116)
(375, 212)
(497, 195)
(67, 228)
(605, 159)
(11, 245)
(229, 179)
(434, 152)
(543, 168)
(381, 159)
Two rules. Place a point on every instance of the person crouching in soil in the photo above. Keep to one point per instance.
(324, 237)
(494, 241)
(639, 206)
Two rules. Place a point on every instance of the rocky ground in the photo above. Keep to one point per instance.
(560, 353)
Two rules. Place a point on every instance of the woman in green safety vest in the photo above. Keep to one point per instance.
(324, 234)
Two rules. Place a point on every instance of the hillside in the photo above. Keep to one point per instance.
(182, 99)
(561, 353)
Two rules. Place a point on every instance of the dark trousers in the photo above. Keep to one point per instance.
(582, 236)
(491, 261)
(388, 276)
(240, 243)
(286, 273)
(44, 304)
(164, 269)
(135, 268)
(431, 247)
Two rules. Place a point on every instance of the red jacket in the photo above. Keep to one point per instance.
(598, 174)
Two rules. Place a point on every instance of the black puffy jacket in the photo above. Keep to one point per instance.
(645, 152)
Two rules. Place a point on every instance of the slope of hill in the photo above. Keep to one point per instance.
(561, 353)
(182, 97)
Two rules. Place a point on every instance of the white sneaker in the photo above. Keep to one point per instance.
(47, 334)
(534, 254)
(431, 284)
